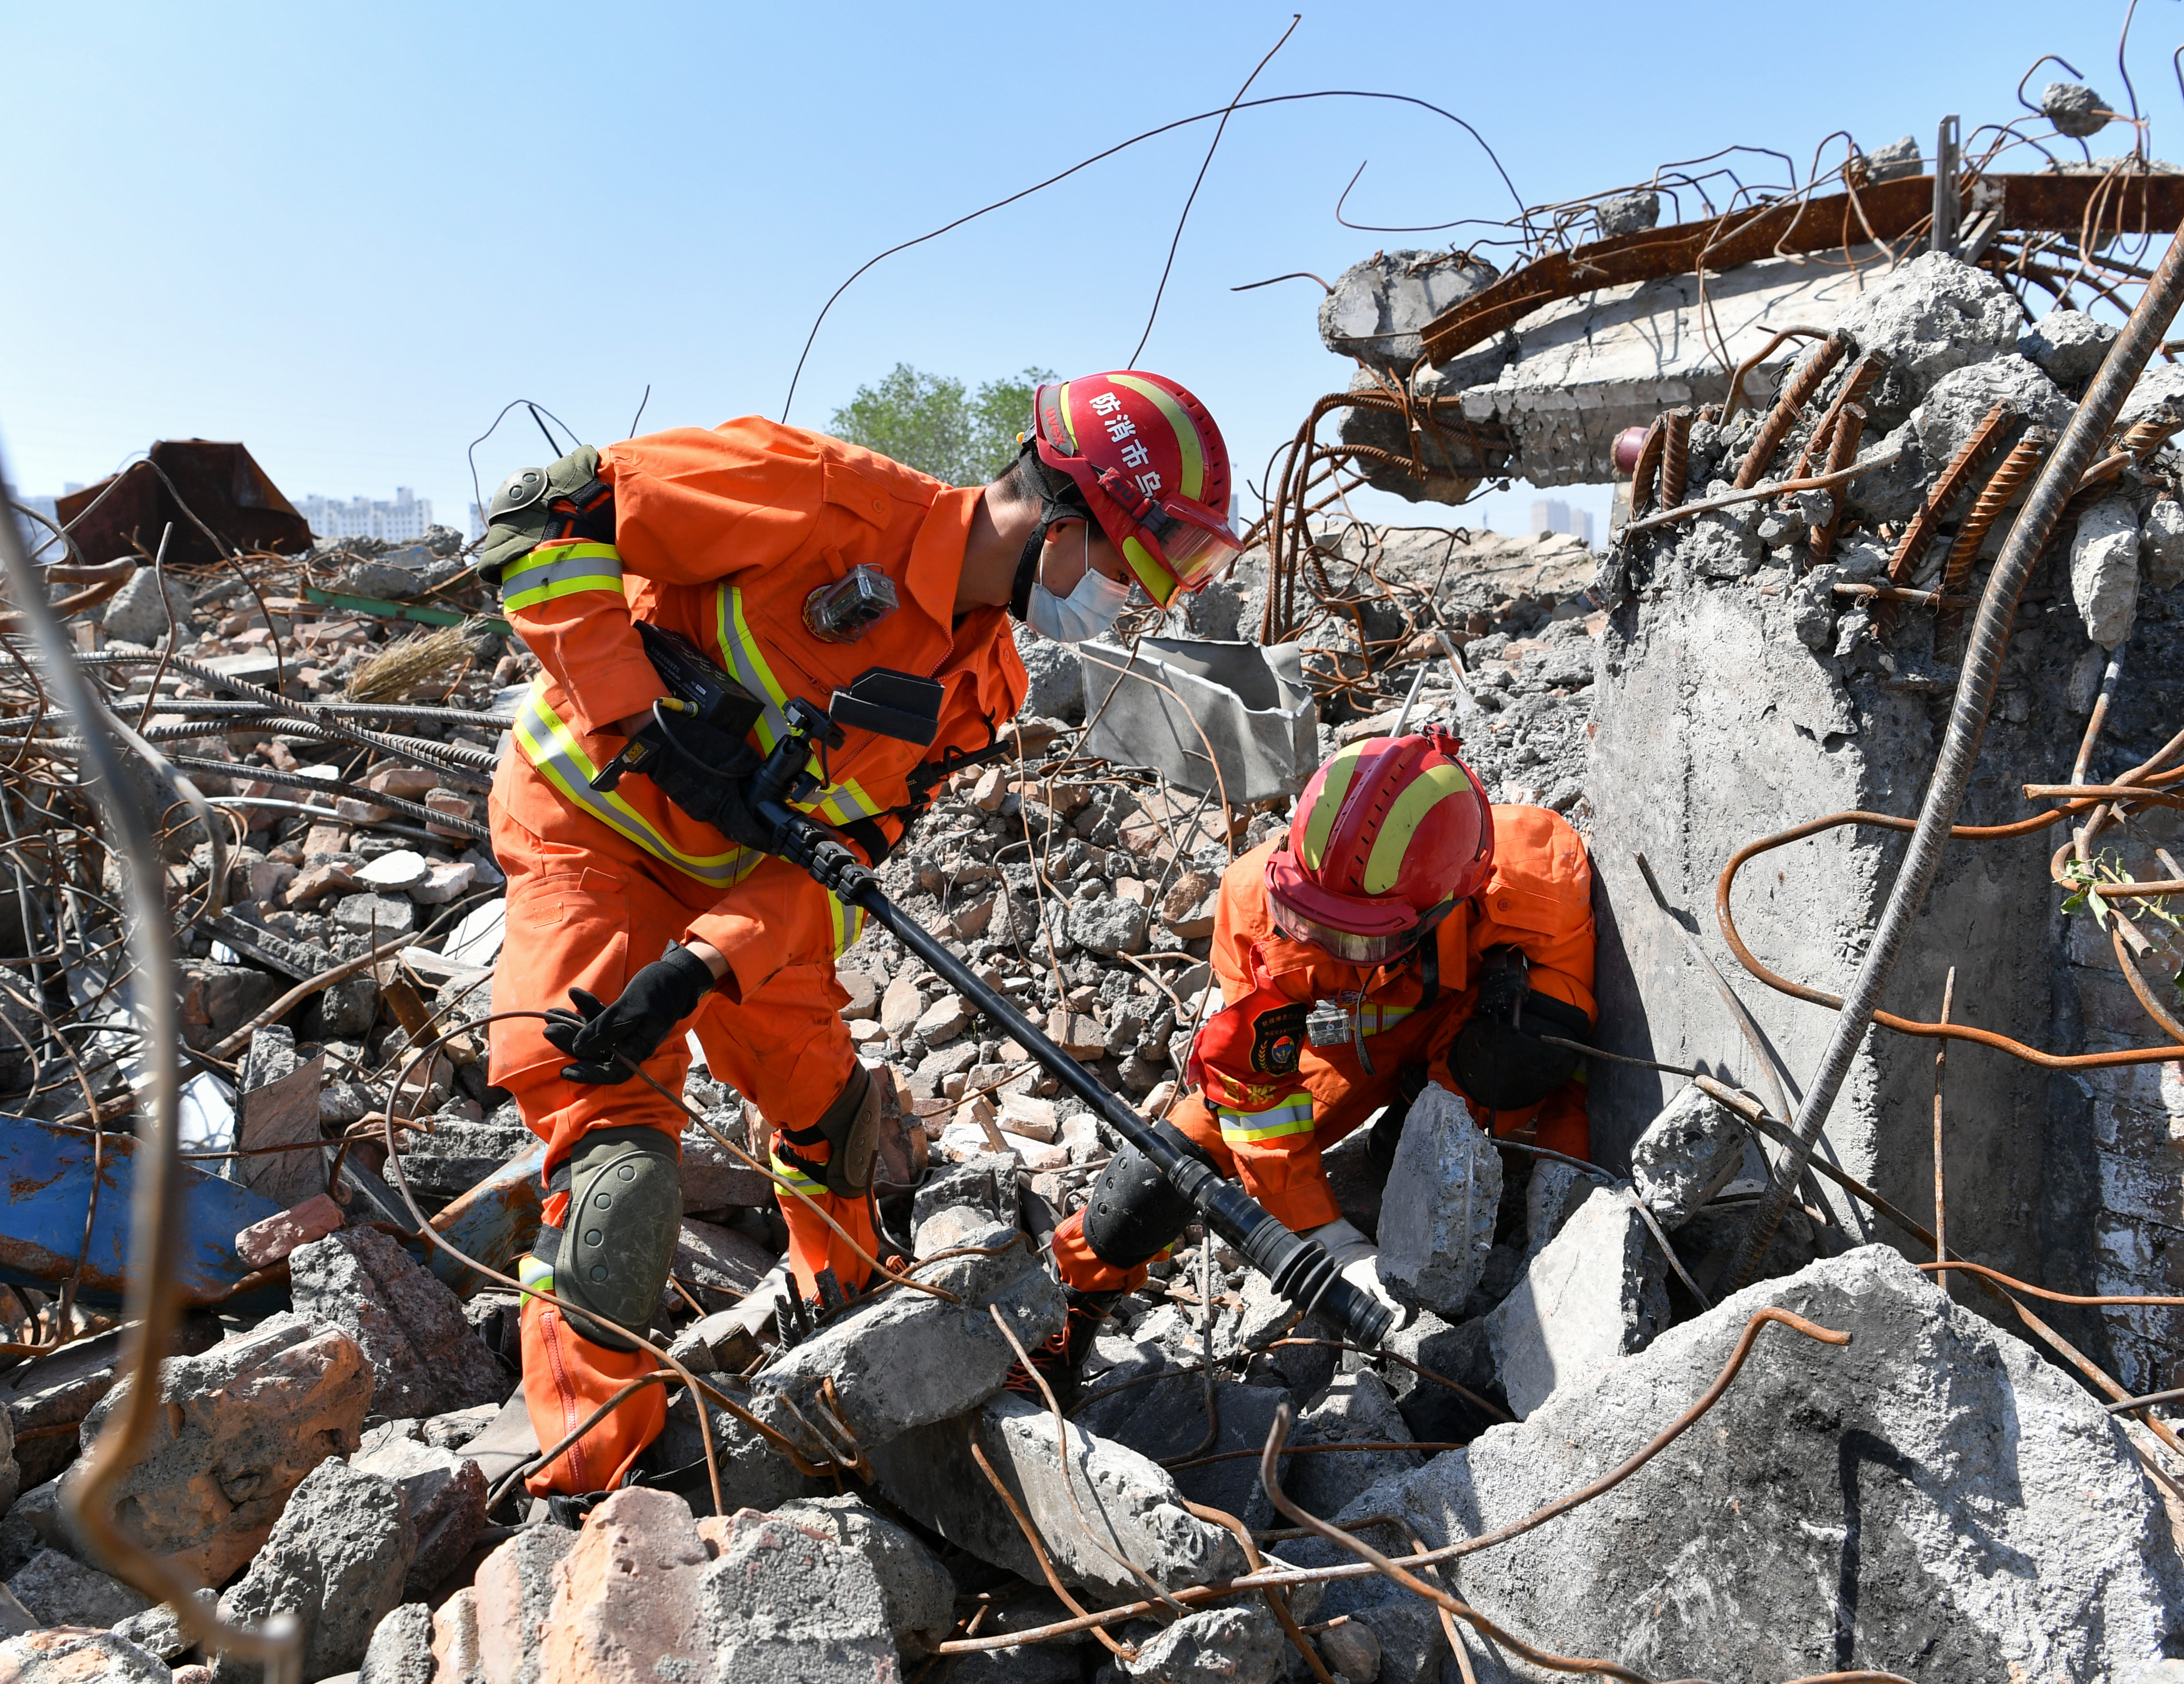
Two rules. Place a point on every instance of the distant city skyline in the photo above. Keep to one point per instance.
(1555, 515)
(400, 519)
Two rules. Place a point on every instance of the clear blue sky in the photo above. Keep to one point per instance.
(346, 235)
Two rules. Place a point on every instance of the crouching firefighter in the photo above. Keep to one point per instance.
(1404, 931)
(644, 904)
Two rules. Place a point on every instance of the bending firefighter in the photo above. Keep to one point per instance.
(1404, 931)
(643, 906)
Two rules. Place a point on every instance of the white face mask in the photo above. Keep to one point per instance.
(1095, 603)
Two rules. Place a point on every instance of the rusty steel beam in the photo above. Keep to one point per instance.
(1886, 211)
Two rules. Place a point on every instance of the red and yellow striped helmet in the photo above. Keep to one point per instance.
(1388, 835)
(1152, 468)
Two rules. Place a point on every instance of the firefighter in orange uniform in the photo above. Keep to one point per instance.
(1403, 931)
(640, 912)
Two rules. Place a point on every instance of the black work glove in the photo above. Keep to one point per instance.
(705, 772)
(658, 998)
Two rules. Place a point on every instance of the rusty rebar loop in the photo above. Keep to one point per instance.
(1796, 392)
(1276, 1600)
(2030, 1290)
(1743, 369)
(1941, 496)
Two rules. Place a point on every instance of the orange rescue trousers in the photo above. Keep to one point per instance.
(588, 909)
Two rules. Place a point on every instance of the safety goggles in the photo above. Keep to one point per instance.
(1358, 932)
(1191, 544)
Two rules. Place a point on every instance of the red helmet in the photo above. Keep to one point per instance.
(1152, 468)
(1386, 839)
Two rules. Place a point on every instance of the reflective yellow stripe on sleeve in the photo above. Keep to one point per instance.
(796, 1177)
(1377, 1019)
(534, 1275)
(552, 571)
(849, 923)
(551, 747)
(1293, 1115)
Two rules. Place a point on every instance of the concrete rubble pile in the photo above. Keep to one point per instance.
(340, 1434)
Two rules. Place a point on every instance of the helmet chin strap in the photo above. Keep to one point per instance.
(1051, 508)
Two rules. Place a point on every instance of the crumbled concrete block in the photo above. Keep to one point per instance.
(719, 1343)
(987, 1183)
(918, 1592)
(426, 1357)
(719, 1265)
(457, 1427)
(2162, 538)
(75, 1656)
(2003, 1525)
(136, 614)
(901, 1007)
(1351, 1650)
(626, 1599)
(1380, 307)
(1356, 1409)
(444, 1494)
(1928, 316)
(243, 1423)
(458, 1657)
(1027, 1115)
(2074, 108)
(785, 1603)
(957, 1225)
(714, 1178)
(2069, 345)
(442, 883)
(1109, 926)
(400, 1651)
(403, 868)
(1961, 398)
(1553, 1196)
(1626, 213)
(159, 1631)
(1240, 1644)
(513, 1598)
(1133, 1503)
(262, 1244)
(1686, 1155)
(2104, 569)
(337, 1561)
(60, 1591)
(1166, 1420)
(907, 1358)
(1056, 690)
(1898, 159)
(1437, 1215)
(57, 1390)
(942, 1020)
(1595, 1293)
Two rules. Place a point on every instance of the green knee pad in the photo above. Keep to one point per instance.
(618, 1238)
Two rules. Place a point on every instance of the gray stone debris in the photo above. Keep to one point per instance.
(1437, 1215)
(1687, 1154)
(1239, 1644)
(135, 614)
(1898, 159)
(1356, 1409)
(2104, 569)
(427, 1359)
(244, 1422)
(1109, 925)
(1058, 678)
(985, 1182)
(1595, 1293)
(2161, 546)
(1966, 1507)
(1929, 316)
(918, 1592)
(337, 1560)
(955, 1225)
(159, 1631)
(74, 1656)
(784, 1603)
(60, 1591)
(1378, 307)
(514, 1595)
(445, 1497)
(1351, 1650)
(1166, 1420)
(908, 1359)
(1551, 1198)
(2074, 108)
(59, 1389)
(719, 1265)
(1962, 399)
(1131, 1504)
(1626, 213)
(2069, 345)
(400, 1651)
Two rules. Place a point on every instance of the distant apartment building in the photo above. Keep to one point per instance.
(1552, 515)
(401, 519)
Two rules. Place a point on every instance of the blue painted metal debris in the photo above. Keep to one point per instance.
(495, 1222)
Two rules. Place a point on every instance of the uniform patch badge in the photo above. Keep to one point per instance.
(1277, 1037)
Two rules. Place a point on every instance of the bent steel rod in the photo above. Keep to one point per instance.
(1982, 666)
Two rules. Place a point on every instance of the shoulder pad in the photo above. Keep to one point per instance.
(519, 490)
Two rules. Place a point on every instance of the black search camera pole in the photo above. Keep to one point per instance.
(1300, 1269)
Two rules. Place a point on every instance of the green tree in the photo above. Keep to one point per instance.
(934, 424)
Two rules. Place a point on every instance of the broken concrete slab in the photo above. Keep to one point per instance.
(2104, 569)
(262, 1244)
(1687, 1154)
(1166, 1420)
(785, 1603)
(1242, 1643)
(159, 1631)
(427, 1358)
(1551, 1198)
(918, 1592)
(1356, 1409)
(907, 1359)
(244, 1424)
(627, 1598)
(1132, 1505)
(72, 1655)
(444, 1495)
(719, 1265)
(400, 1651)
(1972, 1511)
(987, 1183)
(337, 1561)
(1596, 1292)
(61, 1591)
(1437, 1213)
(47, 1398)
(279, 1106)
(1378, 308)
(514, 1597)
